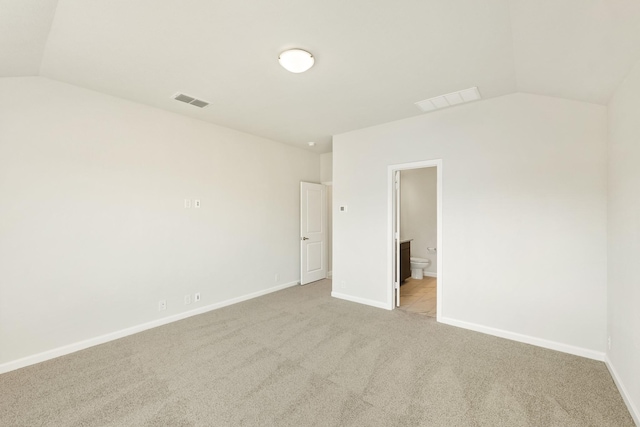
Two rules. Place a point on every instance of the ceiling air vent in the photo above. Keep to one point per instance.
(449, 100)
(190, 100)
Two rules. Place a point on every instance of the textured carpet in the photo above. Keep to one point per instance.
(300, 358)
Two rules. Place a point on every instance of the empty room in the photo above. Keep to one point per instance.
(211, 213)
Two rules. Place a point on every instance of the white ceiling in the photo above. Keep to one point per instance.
(575, 49)
(374, 58)
(24, 26)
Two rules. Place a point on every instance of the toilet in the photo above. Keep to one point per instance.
(417, 267)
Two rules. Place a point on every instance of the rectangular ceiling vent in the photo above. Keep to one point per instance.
(449, 100)
(190, 100)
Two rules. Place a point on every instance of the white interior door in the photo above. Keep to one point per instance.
(313, 232)
(396, 235)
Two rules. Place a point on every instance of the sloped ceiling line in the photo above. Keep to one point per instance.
(375, 58)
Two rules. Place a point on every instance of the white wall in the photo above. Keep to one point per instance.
(326, 168)
(524, 215)
(330, 228)
(419, 213)
(624, 238)
(326, 177)
(94, 232)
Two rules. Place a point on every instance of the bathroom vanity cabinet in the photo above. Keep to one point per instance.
(405, 260)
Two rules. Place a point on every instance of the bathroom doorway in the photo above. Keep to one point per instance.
(415, 237)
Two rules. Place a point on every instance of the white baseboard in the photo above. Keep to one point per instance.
(635, 413)
(430, 274)
(553, 345)
(364, 301)
(81, 345)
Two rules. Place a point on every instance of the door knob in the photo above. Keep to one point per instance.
(305, 238)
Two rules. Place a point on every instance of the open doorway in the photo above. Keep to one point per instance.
(416, 233)
(419, 240)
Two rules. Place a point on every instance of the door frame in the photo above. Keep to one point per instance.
(391, 216)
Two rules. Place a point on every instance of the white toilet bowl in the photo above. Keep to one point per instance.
(417, 267)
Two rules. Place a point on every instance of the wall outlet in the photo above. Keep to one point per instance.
(187, 203)
(162, 305)
(609, 343)
(196, 203)
(276, 277)
(196, 297)
(187, 299)
(343, 284)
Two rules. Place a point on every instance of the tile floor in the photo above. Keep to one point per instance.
(419, 296)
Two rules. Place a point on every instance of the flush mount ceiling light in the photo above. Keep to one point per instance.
(296, 60)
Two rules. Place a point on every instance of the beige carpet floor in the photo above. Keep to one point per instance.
(301, 358)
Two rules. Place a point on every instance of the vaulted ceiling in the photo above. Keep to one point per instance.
(374, 58)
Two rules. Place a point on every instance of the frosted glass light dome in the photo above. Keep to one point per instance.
(296, 60)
